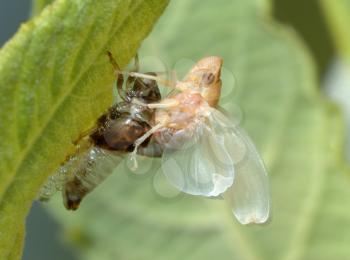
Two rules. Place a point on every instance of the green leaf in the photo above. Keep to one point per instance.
(338, 16)
(16, 250)
(39, 5)
(55, 80)
(298, 132)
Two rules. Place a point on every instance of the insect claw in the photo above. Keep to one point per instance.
(113, 62)
(132, 161)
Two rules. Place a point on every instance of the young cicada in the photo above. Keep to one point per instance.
(203, 151)
(101, 149)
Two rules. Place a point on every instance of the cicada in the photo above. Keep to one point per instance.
(204, 152)
(100, 149)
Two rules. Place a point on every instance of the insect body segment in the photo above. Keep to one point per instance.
(84, 172)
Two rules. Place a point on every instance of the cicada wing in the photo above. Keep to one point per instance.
(195, 162)
(249, 195)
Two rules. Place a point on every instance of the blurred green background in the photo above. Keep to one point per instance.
(298, 133)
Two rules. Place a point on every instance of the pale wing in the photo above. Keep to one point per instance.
(195, 162)
(249, 194)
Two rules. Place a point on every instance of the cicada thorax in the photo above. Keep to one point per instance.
(115, 132)
(119, 129)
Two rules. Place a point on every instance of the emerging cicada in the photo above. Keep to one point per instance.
(203, 151)
(100, 149)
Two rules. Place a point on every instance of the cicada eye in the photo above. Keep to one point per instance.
(208, 78)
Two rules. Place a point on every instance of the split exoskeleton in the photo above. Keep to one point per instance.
(100, 149)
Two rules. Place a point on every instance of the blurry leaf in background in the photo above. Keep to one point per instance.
(338, 16)
(297, 131)
(338, 78)
(337, 87)
(307, 18)
(55, 80)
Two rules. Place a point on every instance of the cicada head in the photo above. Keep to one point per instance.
(205, 75)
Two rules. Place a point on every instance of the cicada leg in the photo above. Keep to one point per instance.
(152, 149)
(165, 78)
(158, 76)
(119, 75)
(136, 63)
(130, 81)
(162, 80)
(139, 141)
(166, 103)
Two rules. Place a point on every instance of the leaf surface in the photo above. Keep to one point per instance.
(39, 5)
(55, 80)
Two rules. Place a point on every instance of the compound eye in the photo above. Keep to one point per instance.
(208, 78)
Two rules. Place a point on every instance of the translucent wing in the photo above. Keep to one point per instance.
(249, 194)
(196, 161)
